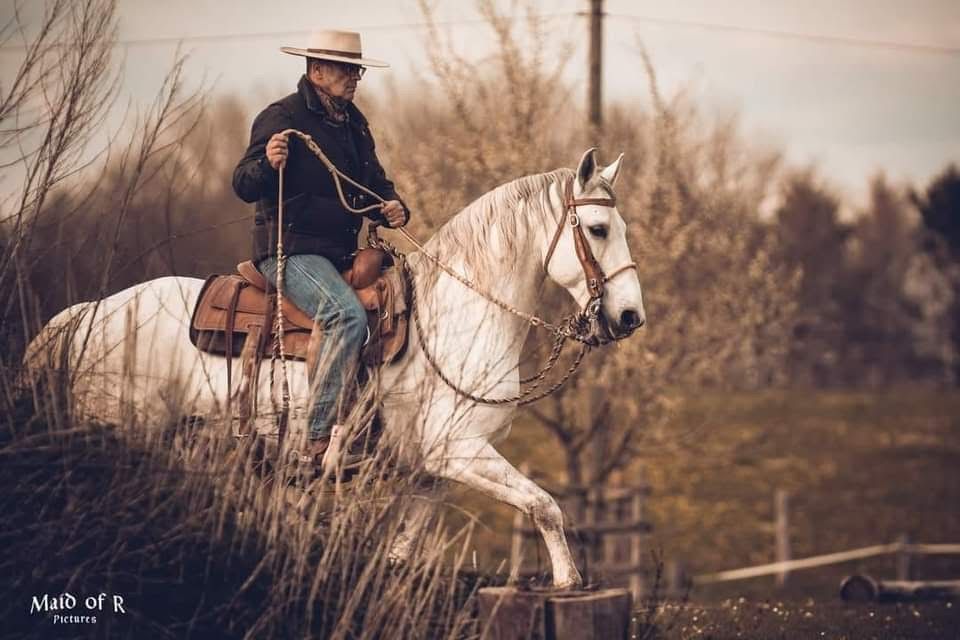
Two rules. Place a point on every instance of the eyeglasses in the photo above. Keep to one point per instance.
(352, 69)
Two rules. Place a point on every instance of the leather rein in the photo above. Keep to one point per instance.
(580, 326)
(592, 271)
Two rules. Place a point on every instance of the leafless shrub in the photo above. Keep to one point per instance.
(58, 96)
(720, 302)
(478, 124)
(171, 511)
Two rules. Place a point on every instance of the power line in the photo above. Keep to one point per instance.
(795, 35)
(685, 24)
(226, 37)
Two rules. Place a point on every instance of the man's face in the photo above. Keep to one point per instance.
(337, 79)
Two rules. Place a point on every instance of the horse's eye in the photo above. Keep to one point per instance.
(598, 231)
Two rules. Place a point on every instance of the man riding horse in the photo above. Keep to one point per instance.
(320, 235)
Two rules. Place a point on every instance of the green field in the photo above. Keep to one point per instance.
(861, 468)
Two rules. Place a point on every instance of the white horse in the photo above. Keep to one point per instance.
(507, 242)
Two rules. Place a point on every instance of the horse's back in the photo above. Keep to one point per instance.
(114, 347)
(169, 297)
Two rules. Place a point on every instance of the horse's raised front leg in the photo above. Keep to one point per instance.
(487, 471)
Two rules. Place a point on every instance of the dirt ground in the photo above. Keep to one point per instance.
(801, 620)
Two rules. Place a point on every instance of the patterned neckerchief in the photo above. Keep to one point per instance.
(336, 108)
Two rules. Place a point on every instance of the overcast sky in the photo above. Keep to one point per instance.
(850, 108)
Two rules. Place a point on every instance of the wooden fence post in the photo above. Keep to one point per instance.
(636, 548)
(516, 538)
(676, 580)
(507, 613)
(516, 548)
(587, 539)
(904, 559)
(782, 532)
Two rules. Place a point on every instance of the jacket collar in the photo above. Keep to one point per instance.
(310, 98)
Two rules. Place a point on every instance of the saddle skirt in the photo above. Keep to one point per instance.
(235, 314)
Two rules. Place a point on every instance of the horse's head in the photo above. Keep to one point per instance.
(588, 254)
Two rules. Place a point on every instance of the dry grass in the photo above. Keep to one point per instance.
(200, 536)
(203, 536)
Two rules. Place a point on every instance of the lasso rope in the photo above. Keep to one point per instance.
(526, 396)
(531, 319)
(278, 346)
(570, 329)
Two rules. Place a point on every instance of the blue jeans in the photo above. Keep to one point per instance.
(315, 285)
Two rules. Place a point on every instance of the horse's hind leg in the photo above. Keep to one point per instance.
(415, 518)
(485, 470)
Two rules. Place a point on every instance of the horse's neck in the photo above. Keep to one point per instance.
(515, 276)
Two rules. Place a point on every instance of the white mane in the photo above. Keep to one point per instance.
(504, 217)
(139, 341)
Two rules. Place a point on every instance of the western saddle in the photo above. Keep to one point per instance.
(235, 316)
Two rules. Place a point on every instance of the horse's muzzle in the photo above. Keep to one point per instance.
(629, 321)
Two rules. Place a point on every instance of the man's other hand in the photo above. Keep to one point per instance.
(277, 150)
(395, 214)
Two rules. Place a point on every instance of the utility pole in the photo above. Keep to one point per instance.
(782, 532)
(595, 87)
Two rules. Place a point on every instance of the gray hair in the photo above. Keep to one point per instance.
(317, 62)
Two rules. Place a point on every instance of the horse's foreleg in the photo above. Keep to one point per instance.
(490, 473)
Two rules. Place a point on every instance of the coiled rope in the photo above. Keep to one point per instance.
(572, 328)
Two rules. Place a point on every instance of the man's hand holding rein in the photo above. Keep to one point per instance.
(395, 213)
(277, 150)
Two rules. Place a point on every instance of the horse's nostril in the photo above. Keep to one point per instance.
(630, 320)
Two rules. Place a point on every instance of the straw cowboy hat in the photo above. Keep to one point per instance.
(339, 46)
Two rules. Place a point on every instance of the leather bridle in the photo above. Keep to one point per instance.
(592, 271)
(579, 326)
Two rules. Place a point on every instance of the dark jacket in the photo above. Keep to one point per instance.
(314, 219)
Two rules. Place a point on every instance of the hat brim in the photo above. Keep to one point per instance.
(306, 53)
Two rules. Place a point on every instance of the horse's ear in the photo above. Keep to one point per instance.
(611, 172)
(588, 167)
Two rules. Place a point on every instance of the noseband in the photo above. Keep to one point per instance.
(592, 271)
(574, 327)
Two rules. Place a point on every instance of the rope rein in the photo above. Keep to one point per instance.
(574, 327)
(531, 319)
(279, 350)
(522, 398)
